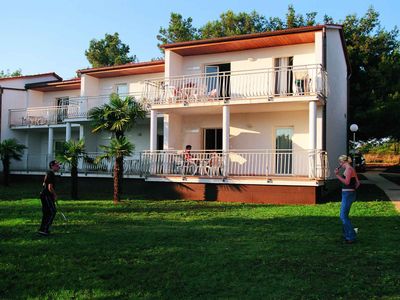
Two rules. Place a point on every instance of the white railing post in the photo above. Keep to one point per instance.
(225, 137)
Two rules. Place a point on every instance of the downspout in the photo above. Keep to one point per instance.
(1, 107)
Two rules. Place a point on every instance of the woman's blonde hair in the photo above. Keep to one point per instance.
(345, 158)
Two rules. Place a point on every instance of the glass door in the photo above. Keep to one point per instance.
(62, 109)
(284, 151)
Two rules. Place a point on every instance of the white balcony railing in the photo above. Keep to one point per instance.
(238, 85)
(312, 164)
(77, 108)
(39, 116)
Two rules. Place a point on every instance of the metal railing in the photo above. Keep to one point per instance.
(39, 116)
(238, 85)
(77, 108)
(214, 163)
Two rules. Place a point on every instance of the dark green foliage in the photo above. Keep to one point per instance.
(6, 74)
(109, 51)
(10, 149)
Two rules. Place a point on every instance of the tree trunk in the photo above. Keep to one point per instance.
(6, 171)
(117, 166)
(74, 182)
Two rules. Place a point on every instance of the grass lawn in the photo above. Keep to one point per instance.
(184, 249)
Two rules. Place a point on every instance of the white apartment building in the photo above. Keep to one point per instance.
(265, 114)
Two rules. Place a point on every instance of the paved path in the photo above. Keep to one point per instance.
(391, 189)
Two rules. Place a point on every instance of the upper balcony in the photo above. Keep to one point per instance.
(222, 87)
(72, 108)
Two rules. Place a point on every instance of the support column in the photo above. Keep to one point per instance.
(312, 129)
(225, 136)
(68, 131)
(153, 130)
(81, 132)
(50, 141)
(312, 125)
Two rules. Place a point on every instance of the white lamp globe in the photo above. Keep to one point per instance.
(353, 127)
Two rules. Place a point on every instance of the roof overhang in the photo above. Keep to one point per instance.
(55, 86)
(126, 70)
(293, 36)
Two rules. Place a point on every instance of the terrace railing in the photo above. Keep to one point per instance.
(238, 85)
(236, 163)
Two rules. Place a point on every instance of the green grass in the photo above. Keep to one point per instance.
(184, 249)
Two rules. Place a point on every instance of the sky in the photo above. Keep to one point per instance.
(52, 35)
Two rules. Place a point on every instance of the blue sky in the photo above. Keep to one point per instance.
(52, 35)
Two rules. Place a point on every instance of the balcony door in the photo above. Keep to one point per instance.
(62, 108)
(284, 76)
(218, 80)
(284, 151)
(212, 139)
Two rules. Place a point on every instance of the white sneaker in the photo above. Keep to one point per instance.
(356, 230)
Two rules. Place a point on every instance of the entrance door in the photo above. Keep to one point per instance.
(284, 151)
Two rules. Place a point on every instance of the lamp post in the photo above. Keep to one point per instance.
(354, 129)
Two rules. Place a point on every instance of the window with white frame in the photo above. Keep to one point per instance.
(122, 89)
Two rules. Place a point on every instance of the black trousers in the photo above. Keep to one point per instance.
(49, 211)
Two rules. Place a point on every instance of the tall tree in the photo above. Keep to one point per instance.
(71, 153)
(109, 51)
(234, 24)
(10, 149)
(118, 148)
(6, 74)
(178, 30)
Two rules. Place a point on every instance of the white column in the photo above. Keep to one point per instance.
(312, 125)
(153, 130)
(50, 141)
(166, 132)
(312, 129)
(68, 131)
(81, 132)
(225, 136)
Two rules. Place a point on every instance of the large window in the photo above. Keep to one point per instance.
(218, 80)
(62, 108)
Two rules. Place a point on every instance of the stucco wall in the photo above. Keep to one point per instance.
(337, 100)
(247, 131)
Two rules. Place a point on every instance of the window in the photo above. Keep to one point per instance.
(218, 80)
(122, 89)
(62, 108)
(212, 139)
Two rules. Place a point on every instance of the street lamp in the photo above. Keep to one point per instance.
(354, 129)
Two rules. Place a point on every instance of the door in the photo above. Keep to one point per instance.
(218, 80)
(284, 151)
(62, 108)
(283, 76)
(213, 139)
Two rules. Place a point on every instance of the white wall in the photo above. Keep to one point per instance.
(336, 130)
(49, 98)
(243, 60)
(173, 64)
(248, 130)
(89, 85)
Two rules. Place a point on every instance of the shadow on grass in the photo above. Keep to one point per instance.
(222, 255)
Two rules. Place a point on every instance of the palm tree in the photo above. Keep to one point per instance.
(117, 117)
(10, 149)
(118, 148)
(72, 151)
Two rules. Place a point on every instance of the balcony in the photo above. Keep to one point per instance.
(77, 108)
(237, 164)
(40, 116)
(222, 87)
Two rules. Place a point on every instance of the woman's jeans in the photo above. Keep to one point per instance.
(347, 199)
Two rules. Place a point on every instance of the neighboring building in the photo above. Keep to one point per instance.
(266, 114)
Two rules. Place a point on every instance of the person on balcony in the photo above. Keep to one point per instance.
(187, 153)
(350, 183)
(48, 198)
